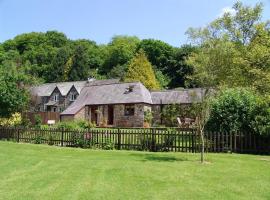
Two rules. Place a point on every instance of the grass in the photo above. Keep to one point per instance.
(29, 171)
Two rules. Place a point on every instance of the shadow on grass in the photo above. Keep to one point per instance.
(158, 158)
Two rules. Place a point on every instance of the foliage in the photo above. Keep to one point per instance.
(50, 140)
(52, 57)
(74, 125)
(119, 52)
(148, 116)
(140, 69)
(38, 139)
(38, 120)
(14, 97)
(239, 109)
(171, 112)
(234, 50)
(14, 120)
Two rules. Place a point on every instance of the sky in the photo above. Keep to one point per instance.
(100, 20)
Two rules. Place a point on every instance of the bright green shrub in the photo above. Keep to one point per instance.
(239, 109)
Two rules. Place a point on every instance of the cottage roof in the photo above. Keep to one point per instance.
(118, 93)
(64, 87)
(184, 96)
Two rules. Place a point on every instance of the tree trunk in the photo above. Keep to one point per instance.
(202, 148)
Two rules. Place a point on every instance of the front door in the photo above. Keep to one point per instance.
(94, 114)
(110, 114)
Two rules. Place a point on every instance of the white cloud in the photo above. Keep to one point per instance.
(227, 10)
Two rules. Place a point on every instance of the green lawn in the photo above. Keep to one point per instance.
(29, 171)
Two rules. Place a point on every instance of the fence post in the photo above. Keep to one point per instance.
(119, 139)
(153, 145)
(62, 137)
(18, 134)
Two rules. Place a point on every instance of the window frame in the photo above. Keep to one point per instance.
(129, 110)
(56, 97)
(73, 97)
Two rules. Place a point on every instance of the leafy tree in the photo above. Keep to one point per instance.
(159, 53)
(119, 52)
(79, 68)
(179, 71)
(201, 111)
(232, 50)
(58, 69)
(14, 97)
(168, 61)
(140, 69)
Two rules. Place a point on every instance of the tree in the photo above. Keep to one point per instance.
(231, 51)
(79, 66)
(201, 110)
(140, 69)
(14, 97)
(119, 52)
(59, 66)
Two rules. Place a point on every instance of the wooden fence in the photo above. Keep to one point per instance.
(178, 140)
(45, 116)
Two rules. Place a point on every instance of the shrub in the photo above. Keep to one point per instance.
(239, 109)
(171, 112)
(50, 140)
(38, 120)
(14, 120)
(38, 140)
(148, 116)
(76, 124)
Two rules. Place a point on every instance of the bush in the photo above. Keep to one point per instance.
(38, 120)
(239, 109)
(14, 120)
(76, 124)
(171, 112)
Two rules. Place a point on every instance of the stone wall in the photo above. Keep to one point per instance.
(66, 118)
(120, 120)
(80, 114)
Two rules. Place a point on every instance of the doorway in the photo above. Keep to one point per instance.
(110, 114)
(94, 114)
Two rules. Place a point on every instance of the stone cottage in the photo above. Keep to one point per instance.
(119, 104)
(124, 104)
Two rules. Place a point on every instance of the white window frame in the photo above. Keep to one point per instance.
(72, 97)
(56, 97)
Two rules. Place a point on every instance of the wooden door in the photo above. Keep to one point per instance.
(110, 114)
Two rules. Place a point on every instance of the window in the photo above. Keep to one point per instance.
(56, 97)
(73, 97)
(54, 109)
(129, 110)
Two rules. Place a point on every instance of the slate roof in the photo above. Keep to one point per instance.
(117, 93)
(64, 87)
(184, 96)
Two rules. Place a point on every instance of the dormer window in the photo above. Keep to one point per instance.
(73, 97)
(56, 97)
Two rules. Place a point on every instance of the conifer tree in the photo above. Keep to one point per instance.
(140, 69)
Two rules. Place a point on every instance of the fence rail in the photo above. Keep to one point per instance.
(178, 140)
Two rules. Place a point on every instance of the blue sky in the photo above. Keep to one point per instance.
(99, 20)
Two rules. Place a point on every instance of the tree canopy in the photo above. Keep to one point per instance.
(233, 50)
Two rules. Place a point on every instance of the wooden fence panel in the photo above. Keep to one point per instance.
(177, 140)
